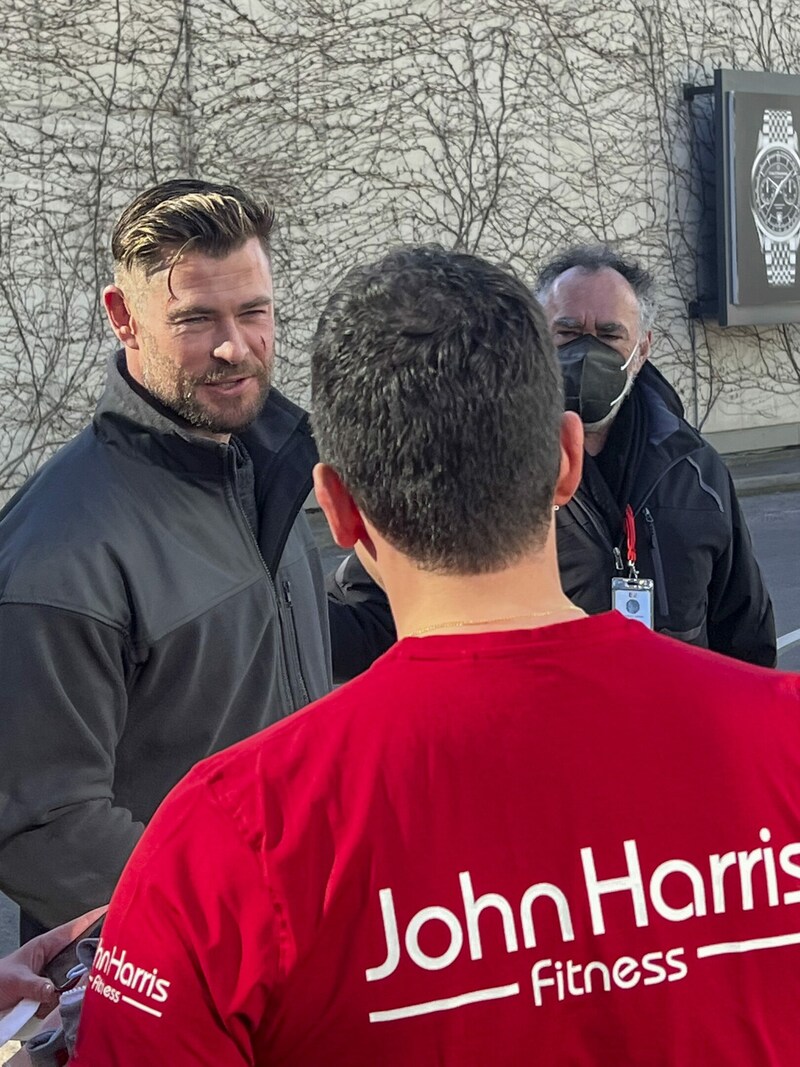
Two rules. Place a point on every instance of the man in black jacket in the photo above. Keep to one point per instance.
(685, 530)
(161, 595)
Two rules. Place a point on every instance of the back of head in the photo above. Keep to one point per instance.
(185, 214)
(438, 399)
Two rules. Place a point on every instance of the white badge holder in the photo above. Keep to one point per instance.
(633, 598)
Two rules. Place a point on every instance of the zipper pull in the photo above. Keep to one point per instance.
(287, 592)
(618, 560)
(651, 526)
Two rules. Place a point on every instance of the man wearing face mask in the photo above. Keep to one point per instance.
(656, 503)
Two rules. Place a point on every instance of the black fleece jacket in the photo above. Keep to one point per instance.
(144, 626)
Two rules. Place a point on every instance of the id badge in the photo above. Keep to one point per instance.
(633, 598)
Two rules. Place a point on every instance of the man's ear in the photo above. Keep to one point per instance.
(344, 518)
(120, 316)
(571, 468)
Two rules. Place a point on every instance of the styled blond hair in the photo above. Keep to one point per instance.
(184, 214)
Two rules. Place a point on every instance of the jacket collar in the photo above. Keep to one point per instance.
(670, 437)
(668, 431)
(134, 421)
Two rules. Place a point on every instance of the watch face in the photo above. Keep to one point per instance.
(776, 191)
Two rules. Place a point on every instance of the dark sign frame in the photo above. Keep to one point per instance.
(757, 118)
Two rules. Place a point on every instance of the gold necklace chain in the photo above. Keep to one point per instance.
(459, 624)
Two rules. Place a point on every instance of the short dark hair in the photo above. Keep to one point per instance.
(593, 258)
(437, 397)
(165, 219)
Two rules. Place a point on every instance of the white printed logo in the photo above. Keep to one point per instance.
(726, 881)
(110, 963)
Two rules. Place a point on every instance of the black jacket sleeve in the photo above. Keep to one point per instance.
(362, 627)
(740, 618)
(63, 842)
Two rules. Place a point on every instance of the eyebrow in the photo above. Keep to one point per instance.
(618, 327)
(578, 323)
(201, 309)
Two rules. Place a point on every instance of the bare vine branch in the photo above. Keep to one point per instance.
(511, 130)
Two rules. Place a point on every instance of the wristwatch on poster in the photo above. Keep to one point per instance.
(775, 195)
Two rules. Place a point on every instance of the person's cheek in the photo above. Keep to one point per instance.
(266, 343)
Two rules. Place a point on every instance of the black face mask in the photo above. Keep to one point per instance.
(594, 377)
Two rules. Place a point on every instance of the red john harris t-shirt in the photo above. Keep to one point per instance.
(573, 845)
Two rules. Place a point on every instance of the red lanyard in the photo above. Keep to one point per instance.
(630, 536)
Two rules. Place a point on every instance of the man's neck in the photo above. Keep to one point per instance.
(594, 442)
(524, 595)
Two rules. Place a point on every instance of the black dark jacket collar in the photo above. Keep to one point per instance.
(669, 440)
(279, 442)
(670, 437)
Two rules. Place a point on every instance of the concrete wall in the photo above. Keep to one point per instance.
(511, 131)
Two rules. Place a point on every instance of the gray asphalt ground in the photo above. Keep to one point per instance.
(768, 485)
(770, 471)
(769, 488)
(774, 521)
(8, 926)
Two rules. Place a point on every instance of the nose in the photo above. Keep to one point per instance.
(232, 348)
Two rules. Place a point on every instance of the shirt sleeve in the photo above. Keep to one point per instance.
(189, 950)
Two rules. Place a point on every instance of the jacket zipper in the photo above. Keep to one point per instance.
(658, 565)
(294, 643)
(613, 549)
(297, 506)
(231, 482)
(596, 523)
(661, 590)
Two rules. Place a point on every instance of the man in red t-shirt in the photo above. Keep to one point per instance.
(523, 835)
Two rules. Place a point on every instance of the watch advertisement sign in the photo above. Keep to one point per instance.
(758, 202)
